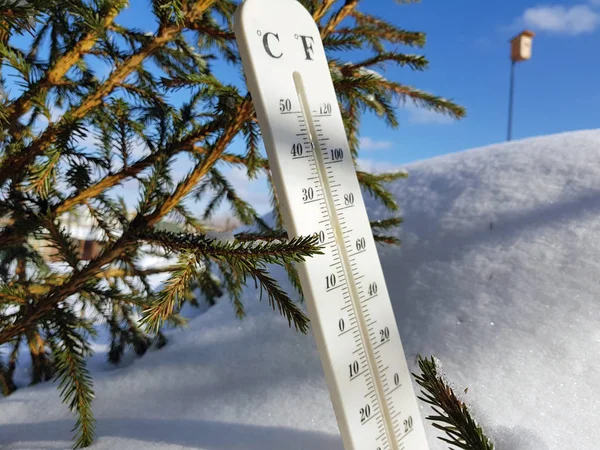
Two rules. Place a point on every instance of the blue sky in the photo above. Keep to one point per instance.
(467, 46)
(557, 90)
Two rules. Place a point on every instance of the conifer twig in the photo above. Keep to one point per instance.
(337, 18)
(60, 67)
(451, 414)
(374, 185)
(70, 351)
(243, 112)
(244, 259)
(172, 294)
(386, 224)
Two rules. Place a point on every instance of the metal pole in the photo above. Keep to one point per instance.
(510, 100)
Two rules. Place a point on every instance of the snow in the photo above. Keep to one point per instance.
(497, 277)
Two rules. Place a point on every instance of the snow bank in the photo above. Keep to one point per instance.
(497, 276)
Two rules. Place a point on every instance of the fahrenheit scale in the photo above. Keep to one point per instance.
(315, 179)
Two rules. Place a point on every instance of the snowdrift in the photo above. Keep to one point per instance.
(498, 276)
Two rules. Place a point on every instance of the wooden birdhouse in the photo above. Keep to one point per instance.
(520, 46)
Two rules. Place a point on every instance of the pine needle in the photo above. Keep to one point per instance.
(170, 298)
(451, 415)
(70, 350)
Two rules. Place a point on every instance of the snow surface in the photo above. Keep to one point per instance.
(498, 276)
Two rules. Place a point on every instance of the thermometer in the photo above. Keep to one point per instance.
(315, 180)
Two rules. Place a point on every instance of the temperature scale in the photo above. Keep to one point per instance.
(315, 180)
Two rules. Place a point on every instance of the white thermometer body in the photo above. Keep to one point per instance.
(315, 180)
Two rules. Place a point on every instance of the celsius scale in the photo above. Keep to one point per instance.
(315, 180)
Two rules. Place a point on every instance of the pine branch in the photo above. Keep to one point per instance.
(373, 185)
(170, 298)
(266, 235)
(270, 252)
(62, 242)
(78, 162)
(451, 414)
(274, 202)
(375, 30)
(225, 191)
(69, 286)
(209, 285)
(294, 279)
(124, 331)
(233, 283)
(70, 349)
(351, 118)
(16, 163)
(253, 161)
(242, 260)
(425, 100)
(278, 299)
(16, 15)
(386, 224)
(343, 42)
(132, 170)
(415, 62)
(14, 295)
(363, 88)
(270, 235)
(321, 8)
(64, 64)
(240, 116)
(338, 17)
(10, 236)
(43, 176)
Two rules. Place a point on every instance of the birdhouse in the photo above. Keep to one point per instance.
(520, 46)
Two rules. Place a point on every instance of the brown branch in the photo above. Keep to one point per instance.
(38, 290)
(62, 292)
(120, 273)
(213, 31)
(187, 144)
(245, 111)
(13, 298)
(337, 18)
(322, 9)
(12, 237)
(16, 163)
(56, 72)
(233, 159)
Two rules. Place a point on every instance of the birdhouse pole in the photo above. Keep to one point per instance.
(511, 96)
(520, 50)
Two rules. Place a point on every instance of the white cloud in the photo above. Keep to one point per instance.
(367, 143)
(559, 19)
(423, 116)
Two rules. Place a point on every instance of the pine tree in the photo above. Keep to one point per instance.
(88, 105)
